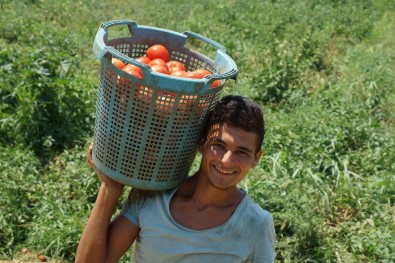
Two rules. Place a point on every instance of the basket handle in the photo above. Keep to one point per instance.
(232, 73)
(205, 39)
(129, 23)
(99, 45)
(101, 49)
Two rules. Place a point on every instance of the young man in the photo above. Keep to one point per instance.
(206, 219)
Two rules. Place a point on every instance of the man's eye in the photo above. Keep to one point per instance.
(243, 153)
(218, 146)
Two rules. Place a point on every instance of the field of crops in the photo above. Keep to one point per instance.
(323, 71)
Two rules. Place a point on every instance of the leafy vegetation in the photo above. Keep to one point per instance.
(322, 70)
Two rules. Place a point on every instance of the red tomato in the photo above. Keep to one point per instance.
(118, 63)
(41, 258)
(174, 65)
(172, 69)
(158, 61)
(143, 59)
(194, 75)
(158, 51)
(160, 69)
(178, 73)
(205, 72)
(133, 71)
(131, 67)
(216, 83)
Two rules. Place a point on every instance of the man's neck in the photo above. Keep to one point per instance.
(199, 190)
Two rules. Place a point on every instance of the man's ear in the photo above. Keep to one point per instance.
(257, 157)
(201, 145)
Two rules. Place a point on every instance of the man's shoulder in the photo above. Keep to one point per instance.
(254, 213)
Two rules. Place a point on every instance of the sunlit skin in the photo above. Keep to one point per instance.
(206, 200)
(212, 193)
(228, 155)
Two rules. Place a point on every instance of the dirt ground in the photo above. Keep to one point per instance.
(30, 257)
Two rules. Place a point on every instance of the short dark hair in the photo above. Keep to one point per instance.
(239, 112)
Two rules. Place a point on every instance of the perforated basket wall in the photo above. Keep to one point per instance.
(147, 130)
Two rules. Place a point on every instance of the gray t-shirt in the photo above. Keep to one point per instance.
(247, 236)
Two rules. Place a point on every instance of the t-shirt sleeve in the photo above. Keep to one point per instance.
(133, 205)
(264, 249)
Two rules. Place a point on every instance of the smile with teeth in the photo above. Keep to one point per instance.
(224, 171)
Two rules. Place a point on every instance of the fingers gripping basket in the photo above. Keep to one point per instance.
(147, 130)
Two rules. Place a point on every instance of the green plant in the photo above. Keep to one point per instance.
(43, 105)
(19, 176)
(322, 71)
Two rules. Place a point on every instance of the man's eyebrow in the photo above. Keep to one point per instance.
(245, 149)
(240, 148)
(217, 140)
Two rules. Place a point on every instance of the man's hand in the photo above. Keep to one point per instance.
(105, 180)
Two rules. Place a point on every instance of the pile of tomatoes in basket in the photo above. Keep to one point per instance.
(158, 58)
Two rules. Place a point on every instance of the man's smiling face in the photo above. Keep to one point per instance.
(227, 155)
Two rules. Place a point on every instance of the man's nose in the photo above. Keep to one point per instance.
(227, 157)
